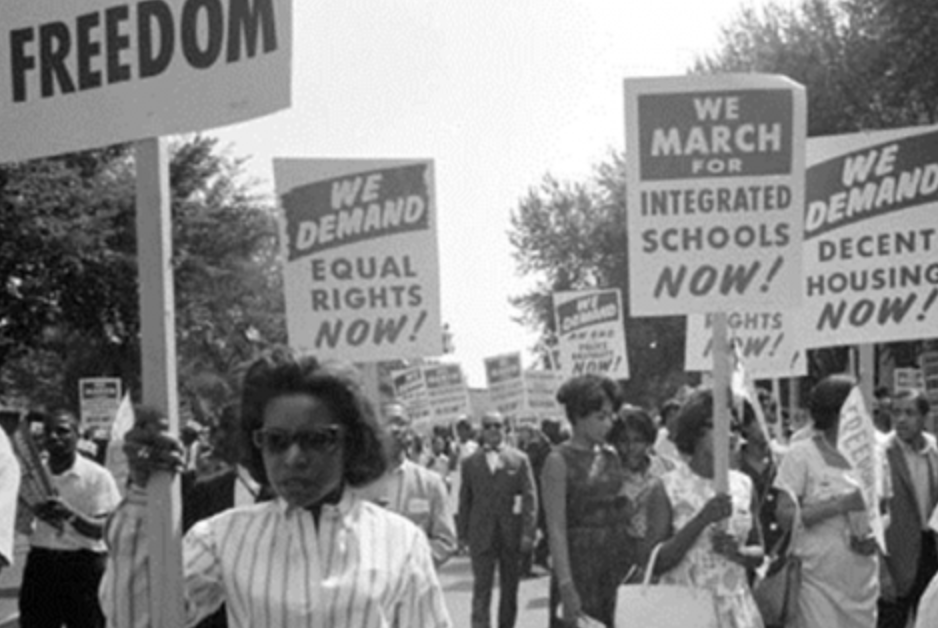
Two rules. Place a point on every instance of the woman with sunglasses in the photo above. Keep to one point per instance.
(586, 516)
(317, 555)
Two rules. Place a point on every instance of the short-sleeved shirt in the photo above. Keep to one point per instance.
(88, 488)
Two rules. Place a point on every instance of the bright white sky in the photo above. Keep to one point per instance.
(496, 93)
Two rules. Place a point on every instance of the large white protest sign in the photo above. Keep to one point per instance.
(591, 333)
(767, 341)
(99, 400)
(856, 439)
(361, 268)
(871, 238)
(505, 382)
(715, 184)
(81, 74)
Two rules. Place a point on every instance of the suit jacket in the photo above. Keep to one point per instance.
(904, 534)
(504, 502)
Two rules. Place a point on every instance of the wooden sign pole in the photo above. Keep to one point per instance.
(721, 404)
(158, 355)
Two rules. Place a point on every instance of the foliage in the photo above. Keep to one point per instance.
(70, 305)
(573, 236)
(866, 64)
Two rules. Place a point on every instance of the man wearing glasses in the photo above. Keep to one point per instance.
(498, 518)
(412, 490)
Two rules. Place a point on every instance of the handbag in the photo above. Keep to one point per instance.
(663, 605)
(776, 592)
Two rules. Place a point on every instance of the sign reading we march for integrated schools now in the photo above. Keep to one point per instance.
(871, 238)
(80, 74)
(715, 186)
(361, 269)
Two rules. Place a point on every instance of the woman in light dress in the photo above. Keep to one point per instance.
(709, 540)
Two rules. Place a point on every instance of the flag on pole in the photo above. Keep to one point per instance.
(743, 388)
(115, 459)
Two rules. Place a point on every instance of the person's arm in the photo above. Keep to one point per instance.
(676, 547)
(749, 554)
(554, 490)
(125, 589)
(465, 501)
(442, 532)
(9, 491)
(421, 602)
(528, 505)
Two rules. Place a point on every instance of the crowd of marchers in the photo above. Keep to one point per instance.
(308, 504)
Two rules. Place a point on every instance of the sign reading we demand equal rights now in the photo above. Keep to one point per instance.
(81, 74)
(871, 238)
(715, 184)
(361, 268)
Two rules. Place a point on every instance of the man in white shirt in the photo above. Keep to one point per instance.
(67, 551)
(911, 556)
(412, 490)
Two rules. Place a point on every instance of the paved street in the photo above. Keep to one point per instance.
(456, 577)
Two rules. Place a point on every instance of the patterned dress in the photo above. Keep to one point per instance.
(701, 567)
(597, 516)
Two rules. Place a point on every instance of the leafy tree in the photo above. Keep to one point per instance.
(865, 64)
(70, 305)
(573, 236)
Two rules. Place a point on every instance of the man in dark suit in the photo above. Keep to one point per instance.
(233, 486)
(498, 504)
(911, 558)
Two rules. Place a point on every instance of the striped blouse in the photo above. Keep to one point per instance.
(363, 567)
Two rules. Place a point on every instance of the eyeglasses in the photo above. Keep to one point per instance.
(492, 426)
(320, 440)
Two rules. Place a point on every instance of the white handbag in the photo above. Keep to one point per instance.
(664, 605)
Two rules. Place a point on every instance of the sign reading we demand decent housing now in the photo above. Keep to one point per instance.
(715, 190)
(361, 268)
(871, 238)
(83, 73)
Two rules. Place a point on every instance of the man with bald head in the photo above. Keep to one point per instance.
(498, 518)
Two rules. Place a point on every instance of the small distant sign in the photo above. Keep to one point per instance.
(100, 397)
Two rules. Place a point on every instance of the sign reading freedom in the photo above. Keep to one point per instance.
(715, 181)
(81, 74)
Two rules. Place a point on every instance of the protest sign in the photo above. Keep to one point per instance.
(857, 441)
(871, 237)
(767, 341)
(591, 333)
(715, 182)
(99, 400)
(447, 392)
(505, 382)
(410, 388)
(908, 379)
(78, 75)
(929, 362)
(361, 268)
(540, 393)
